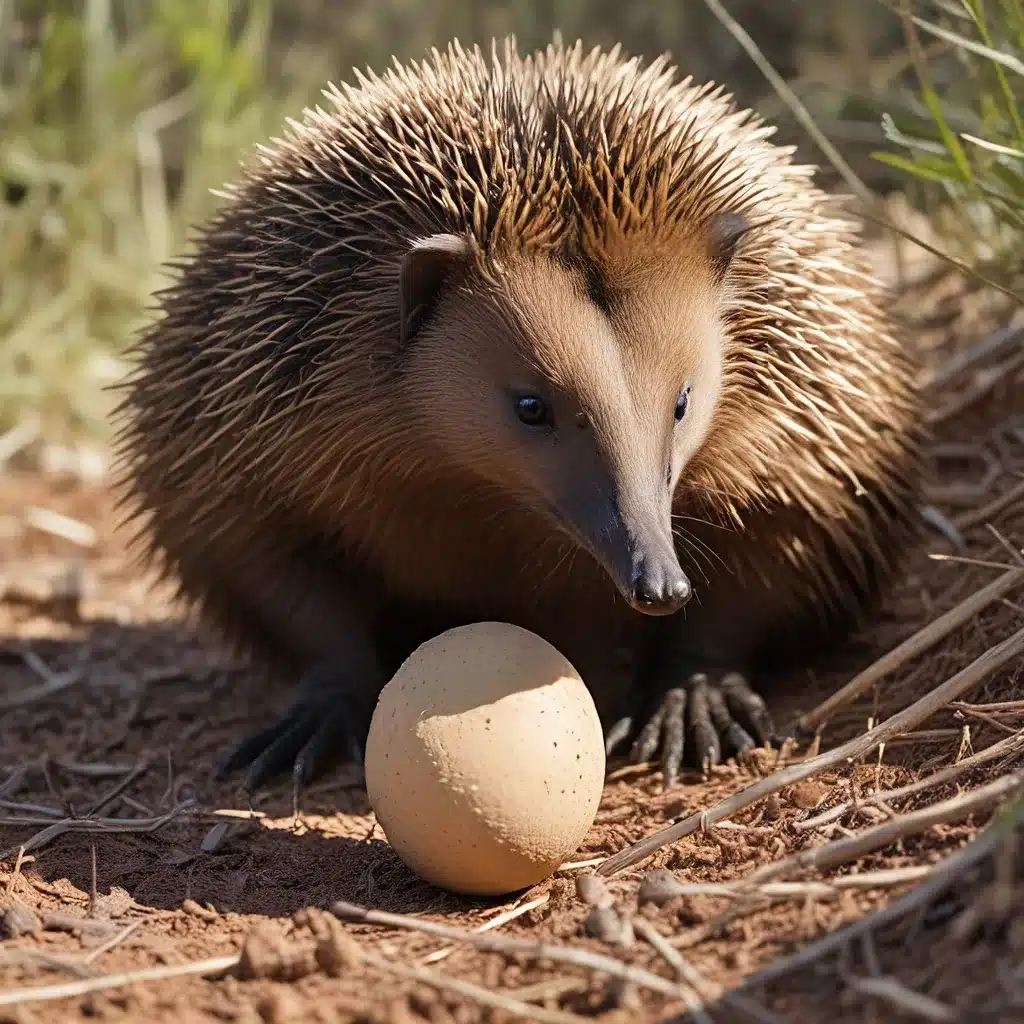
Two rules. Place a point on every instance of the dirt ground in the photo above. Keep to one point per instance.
(113, 709)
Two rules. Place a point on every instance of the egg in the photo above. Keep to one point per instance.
(485, 759)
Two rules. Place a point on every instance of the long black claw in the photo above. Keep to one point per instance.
(324, 725)
(675, 735)
(281, 754)
(617, 734)
(321, 748)
(707, 746)
(737, 738)
(748, 708)
(244, 751)
(647, 742)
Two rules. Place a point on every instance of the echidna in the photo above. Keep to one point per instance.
(557, 340)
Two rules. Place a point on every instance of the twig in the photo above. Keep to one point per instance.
(992, 660)
(483, 996)
(14, 781)
(57, 525)
(54, 684)
(105, 801)
(215, 965)
(988, 379)
(512, 946)
(917, 644)
(1005, 337)
(954, 865)
(58, 828)
(842, 851)
(112, 942)
(59, 922)
(551, 988)
(93, 771)
(1007, 746)
(688, 978)
(974, 516)
(898, 995)
(991, 720)
(819, 890)
(496, 922)
(18, 437)
(999, 707)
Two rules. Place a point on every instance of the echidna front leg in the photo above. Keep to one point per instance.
(698, 719)
(325, 723)
(294, 605)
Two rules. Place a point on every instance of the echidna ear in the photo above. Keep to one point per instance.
(725, 231)
(424, 270)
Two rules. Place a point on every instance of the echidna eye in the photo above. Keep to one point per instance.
(682, 403)
(532, 411)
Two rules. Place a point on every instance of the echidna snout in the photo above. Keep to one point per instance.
(587, 415)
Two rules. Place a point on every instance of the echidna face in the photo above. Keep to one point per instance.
(581, 414)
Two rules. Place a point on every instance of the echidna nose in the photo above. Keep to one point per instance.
(659, 589)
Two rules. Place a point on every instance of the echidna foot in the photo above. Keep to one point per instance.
(321, 726)
(700, 719)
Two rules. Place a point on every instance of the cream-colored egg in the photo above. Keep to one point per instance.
(485, 759)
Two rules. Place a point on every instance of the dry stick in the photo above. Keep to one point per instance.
(998, 707)
(58, 828)
(842, 851)
(477, 993)
(552, 988)
(975, 394)
(115, 941)
(944, 875)
(819, 890)
(511, 946)
(994, 344)
(688, 973)
(687, 976)
(105, 801)
(69, 990)
(57, 682)
(1007, 746)
(975, 516)
(992, 660)
(914, 645)
(495, 922)
(902, 998)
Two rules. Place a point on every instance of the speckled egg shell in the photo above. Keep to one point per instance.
(485, 759)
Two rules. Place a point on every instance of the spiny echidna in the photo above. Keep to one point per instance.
(557, 340)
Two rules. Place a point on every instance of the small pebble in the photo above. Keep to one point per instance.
(606, 924)
(807, 794)
(658, 887)
(593, 890)
(266, 955)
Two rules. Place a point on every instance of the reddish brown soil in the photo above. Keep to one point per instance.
(135, 734)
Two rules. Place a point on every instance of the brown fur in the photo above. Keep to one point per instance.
(293, 458)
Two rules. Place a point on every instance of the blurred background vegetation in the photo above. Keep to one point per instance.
(118, 116)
